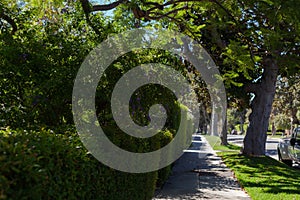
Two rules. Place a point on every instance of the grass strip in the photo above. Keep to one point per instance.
(262, 177)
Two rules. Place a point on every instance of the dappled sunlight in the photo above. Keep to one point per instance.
(262, 175)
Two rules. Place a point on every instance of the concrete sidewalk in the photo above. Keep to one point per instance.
(201, 174)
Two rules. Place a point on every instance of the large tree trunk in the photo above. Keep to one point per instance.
(242, 121)
(218, 124)
(256, 135)
(273, 129)
(214, 122)
(223, 135)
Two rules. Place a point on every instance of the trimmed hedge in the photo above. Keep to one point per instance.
(48, 164)
(45, 165)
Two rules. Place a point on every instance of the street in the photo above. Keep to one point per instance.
(271, 145)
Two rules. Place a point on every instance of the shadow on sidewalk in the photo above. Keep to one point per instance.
(200, 174)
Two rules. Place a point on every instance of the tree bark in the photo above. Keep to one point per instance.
(214, 122)
(273, 129)
(256, 135)
(223, 135)
(242, 121)
(10, 20)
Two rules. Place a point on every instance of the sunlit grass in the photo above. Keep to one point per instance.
(262, 177)
(215, 142)
(276, 136)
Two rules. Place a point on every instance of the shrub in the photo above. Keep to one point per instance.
(45, 165)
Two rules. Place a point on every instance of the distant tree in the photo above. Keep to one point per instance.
(286, 103)
(282, 122)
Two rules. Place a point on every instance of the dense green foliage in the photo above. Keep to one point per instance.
(42, 45)
(39, 157)
(251, 41)
(39, 63)
(47, 165)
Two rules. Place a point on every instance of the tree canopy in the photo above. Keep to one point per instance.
(252, 42)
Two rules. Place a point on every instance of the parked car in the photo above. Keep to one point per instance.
(289, 148)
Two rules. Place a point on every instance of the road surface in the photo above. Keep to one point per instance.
(271, 145)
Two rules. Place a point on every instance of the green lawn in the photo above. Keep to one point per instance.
(262, 177)
(275, 136)
(215, 143)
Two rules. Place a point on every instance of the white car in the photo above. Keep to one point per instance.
(289, 148)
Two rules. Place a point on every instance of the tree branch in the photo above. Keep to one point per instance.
(108, 6)
(9, 20)
(232, 17)
(224, 9)
(87, 9)
(166, 14)
(86, 6)
(252, 87)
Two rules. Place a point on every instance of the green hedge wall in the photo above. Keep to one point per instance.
(45, 165)
(48, 164)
